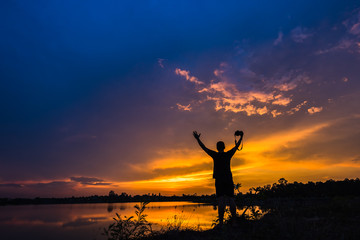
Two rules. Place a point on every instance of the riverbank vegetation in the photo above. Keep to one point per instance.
(322, 210)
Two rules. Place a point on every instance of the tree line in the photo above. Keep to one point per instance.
(281, 189)
(330, 188)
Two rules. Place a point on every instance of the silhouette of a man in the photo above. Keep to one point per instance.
(224, 184)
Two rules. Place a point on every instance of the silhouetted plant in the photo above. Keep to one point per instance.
(237, 187)
(255, 213)
(175, 223)
(129, 227)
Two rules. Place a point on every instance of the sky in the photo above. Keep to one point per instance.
(104, 95)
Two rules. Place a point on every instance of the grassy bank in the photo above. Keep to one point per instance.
(284, 211)
(336, 218)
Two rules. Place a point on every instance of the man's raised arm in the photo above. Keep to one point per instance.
(233, 150)
(197, 137)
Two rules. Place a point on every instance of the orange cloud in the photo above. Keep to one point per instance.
(187, 76)
(297, 108)
(275, 113)
(229, 97)
(183, 107)
(313, 110)
(280, 100)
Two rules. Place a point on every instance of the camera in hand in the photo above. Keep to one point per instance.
(239, 133)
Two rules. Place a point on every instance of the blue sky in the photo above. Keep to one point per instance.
(107, 90)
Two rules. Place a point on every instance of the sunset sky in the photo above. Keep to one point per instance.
(104, 95)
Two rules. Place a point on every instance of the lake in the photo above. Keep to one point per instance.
(86, 221)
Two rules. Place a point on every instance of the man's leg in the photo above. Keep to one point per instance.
(233, 211)
(232, 207)
(221, 209)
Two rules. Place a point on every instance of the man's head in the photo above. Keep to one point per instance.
(220, 146)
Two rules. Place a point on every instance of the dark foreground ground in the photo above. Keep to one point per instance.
(327, 218)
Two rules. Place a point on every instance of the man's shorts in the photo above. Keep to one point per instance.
(224, 187)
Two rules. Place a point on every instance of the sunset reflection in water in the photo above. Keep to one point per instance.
(60, 221)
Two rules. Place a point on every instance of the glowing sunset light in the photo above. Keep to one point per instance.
(107, 98)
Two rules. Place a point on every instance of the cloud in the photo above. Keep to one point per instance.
(297, 108)
(322, 145)
(37, 185)
(262, 111)
(11, 185)
(278, 40)
(286, 86)
(299, 34)
(160, 62)
(75, 186)
(245, 96)
(178, 171)
(281, 100)
(356, 159)
(49, 184)
(86, 179)
(89, 181)
(355, 29)
(313, 110)
(184, 108)
(218, 72)
(228, 98)
(187, 76)
(350, 40)
(290, 81)
(353, 24)
(233, 96)
(55, 188)
(275, 113)
(200, 168)
(346, 43)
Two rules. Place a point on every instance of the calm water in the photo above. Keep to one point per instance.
(86, 221)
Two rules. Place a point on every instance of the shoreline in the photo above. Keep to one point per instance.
(50, 201)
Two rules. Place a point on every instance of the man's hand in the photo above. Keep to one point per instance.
(239, 133)
(196, 135)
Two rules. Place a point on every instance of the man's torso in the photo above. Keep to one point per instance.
(222, 165)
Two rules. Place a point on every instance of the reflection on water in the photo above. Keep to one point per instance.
(86, 221)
